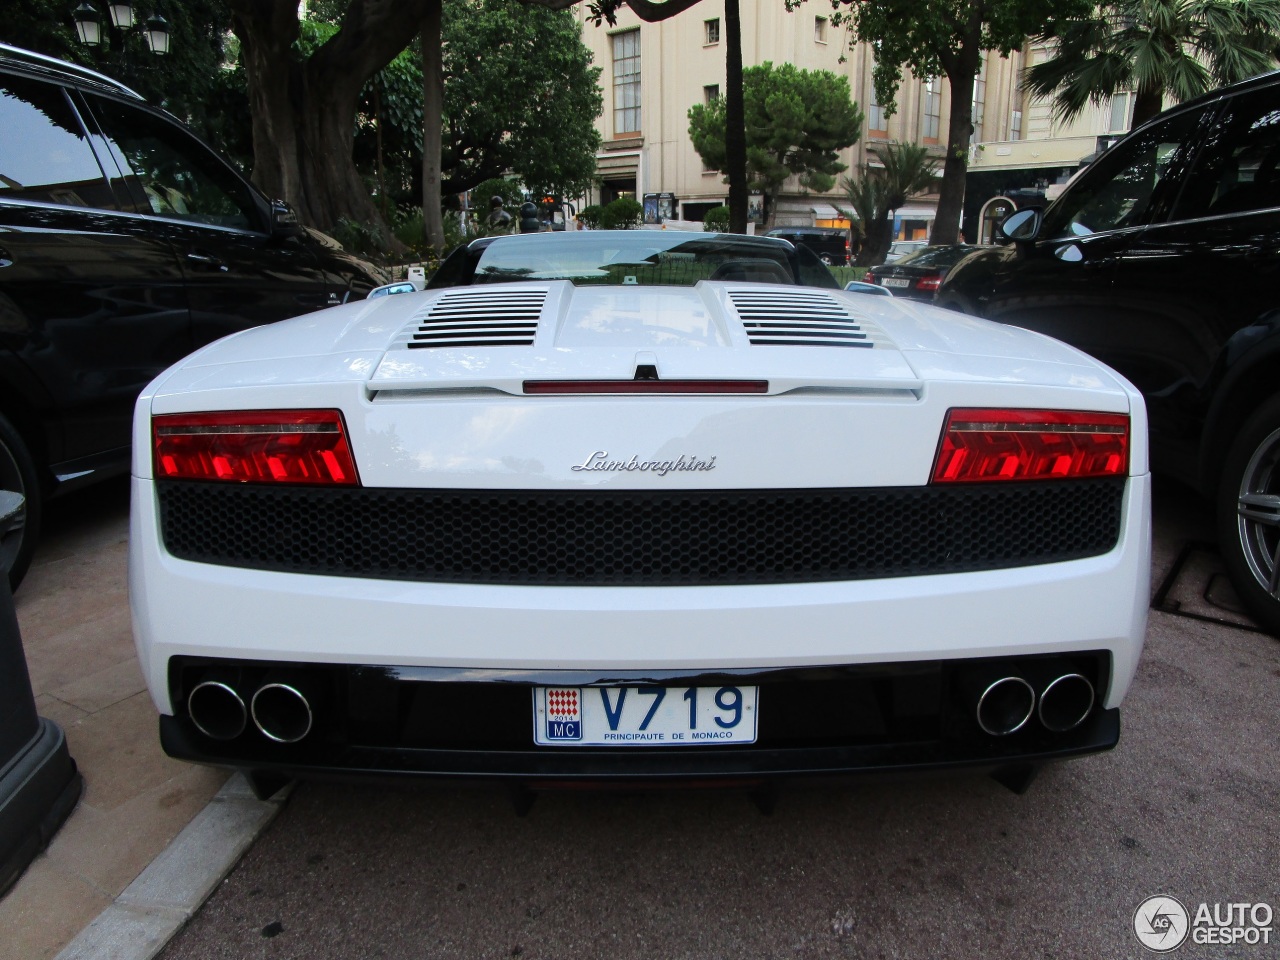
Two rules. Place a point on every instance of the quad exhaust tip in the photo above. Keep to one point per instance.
(1005, 706)
(281, 712)
(217, 710)
(1066, 702)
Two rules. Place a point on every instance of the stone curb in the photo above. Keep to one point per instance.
(145, 917)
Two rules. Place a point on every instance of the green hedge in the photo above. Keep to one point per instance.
(844, 274)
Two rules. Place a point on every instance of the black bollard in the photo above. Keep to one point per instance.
(39, 783)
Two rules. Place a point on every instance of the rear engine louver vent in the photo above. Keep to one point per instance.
(506, 318)
(797, 319)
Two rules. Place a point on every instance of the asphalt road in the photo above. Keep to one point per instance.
(1187, 805)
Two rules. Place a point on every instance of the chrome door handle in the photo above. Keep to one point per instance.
(206, 260)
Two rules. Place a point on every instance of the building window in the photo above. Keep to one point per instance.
(626, 83)
(876, 122)
(1121, 112)
(979, 100)
(1015, 117)
(931, 109)
(711, 31)
(820, 29)
(710, 93)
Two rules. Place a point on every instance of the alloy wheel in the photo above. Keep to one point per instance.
(1258, 509)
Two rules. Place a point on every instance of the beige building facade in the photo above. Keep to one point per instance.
(653, 73)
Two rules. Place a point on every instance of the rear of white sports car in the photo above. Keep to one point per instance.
(554, 531)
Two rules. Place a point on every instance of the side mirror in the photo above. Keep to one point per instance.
(390, 289)
(1022, 226)
(284, 220)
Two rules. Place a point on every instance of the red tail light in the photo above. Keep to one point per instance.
(254, 446)
(869, 277)
(931, 282)
(984, 444)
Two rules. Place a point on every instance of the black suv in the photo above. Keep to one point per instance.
(831, 246)
(1162, 259)
(125, 243)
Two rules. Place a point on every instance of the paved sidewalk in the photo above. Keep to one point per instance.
(73, 611)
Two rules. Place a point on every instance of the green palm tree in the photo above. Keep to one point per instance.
(907, 170)
(1175, 49)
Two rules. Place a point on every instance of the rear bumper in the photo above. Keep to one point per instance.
(725, 764)
(187, 609)
(813, 722)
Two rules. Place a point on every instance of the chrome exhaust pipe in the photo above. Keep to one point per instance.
(281, 712)
(1005, 706)
(1066, 702)
(217, 710)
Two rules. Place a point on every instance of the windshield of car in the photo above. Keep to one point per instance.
(633, 258)
(935, 257)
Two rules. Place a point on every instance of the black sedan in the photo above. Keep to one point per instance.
(918, 275)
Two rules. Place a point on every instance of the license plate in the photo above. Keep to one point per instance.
(896, 282)
(643, 716)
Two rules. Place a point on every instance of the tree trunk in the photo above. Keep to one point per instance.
(876, 246)
(961, 70)
(735, 135)
(1146, 105)
(303, 111)
(432, 126)
(267, 33)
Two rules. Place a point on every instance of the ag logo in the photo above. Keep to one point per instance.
(1161, 924)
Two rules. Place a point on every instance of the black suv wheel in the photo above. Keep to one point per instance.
(1249, 515)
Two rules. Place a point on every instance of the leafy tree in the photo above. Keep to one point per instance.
(946, 37)
(303, 101)
(190, 82)
(1160, 48)
(797, 121)
(906, 170)
(520, 95)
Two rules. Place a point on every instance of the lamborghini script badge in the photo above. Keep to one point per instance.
(599, 461)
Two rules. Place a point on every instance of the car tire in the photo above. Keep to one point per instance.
(955, 303)
(18, 473)
(1248, 509)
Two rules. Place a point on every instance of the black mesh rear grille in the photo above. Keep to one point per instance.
(678, 537)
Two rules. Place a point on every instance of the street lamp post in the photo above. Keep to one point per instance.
(88, 21)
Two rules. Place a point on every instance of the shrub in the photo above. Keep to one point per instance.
(625, 213)
(591, 217)
(716, 220)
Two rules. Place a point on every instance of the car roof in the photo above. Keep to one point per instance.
(51, 68)
(780, 231)
(1253, 83)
